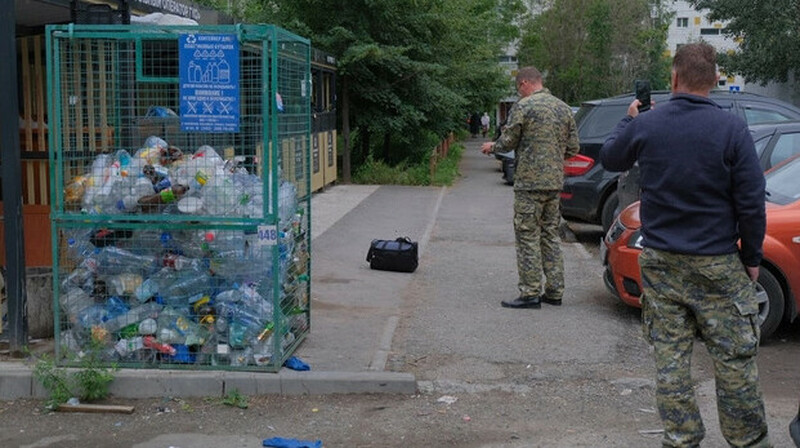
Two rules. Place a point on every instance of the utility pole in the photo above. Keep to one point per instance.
(12, 190)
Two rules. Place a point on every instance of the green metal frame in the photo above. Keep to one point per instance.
(271, 41)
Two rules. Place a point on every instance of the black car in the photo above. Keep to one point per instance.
(590, 191)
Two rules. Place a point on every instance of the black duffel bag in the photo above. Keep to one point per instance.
(398, 255)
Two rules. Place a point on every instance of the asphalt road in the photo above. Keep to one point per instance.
(579, 375)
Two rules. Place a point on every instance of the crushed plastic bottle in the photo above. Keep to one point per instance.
(287, 202)
(111, 260)
(176, 328)
(133, 316)
(123, 284)
(78, 244)
(73, 301)
(152, 294)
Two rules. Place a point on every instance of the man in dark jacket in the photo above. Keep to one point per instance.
(702, 191)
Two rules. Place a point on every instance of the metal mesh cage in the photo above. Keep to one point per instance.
(181, 193)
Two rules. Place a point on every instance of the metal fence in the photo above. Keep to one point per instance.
(179, 165)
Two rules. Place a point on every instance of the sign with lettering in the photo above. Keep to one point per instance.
(267, 235)
(209, 82)
(173, 7)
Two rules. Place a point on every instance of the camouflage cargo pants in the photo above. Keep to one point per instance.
(536, 218)
(712, 296)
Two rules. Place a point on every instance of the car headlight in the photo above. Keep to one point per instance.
(635, 242)
(614, 232)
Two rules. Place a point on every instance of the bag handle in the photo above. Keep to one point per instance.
(404, 239)
(371, 250)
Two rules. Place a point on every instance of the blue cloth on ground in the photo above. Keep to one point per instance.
(296, 363)
(280, 442)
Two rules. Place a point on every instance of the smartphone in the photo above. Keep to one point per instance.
(642, 89)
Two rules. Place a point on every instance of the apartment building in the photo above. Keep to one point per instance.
(691, 25)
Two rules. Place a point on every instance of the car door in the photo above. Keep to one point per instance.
(783, 146)
(763, 112)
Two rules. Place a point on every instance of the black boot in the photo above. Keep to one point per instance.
(523, 302)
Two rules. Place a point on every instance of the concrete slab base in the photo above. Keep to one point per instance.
(17, 381)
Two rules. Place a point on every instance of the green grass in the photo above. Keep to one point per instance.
(379, 173)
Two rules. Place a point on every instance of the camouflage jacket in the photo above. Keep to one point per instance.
(542, 131)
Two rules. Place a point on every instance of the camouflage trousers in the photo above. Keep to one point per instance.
(709, 296)
(536, 219)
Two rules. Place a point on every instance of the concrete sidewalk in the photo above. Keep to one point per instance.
(354, 310)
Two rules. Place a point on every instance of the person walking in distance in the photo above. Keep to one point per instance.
(702, 190)
(485, 121)
(541, 129)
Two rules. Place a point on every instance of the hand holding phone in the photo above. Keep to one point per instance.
(642, 89)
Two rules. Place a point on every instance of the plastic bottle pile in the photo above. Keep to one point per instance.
(180, 293)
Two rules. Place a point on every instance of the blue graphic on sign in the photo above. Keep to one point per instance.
(209, 82)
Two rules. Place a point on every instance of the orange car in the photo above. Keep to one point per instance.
(779, 281)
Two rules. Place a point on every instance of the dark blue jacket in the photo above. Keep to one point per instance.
(702, 185)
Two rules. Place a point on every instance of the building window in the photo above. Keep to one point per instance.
(710, 31)
(722, 82)
(683, 22)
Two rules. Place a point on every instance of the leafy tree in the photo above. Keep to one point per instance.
(596, 48)
(767, 33)
(408, 70)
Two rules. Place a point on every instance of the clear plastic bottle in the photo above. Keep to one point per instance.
(246, 317)
(133, 316)
(115, 306)
(98, 176)
(287, 203)
(179, 262)
(73, 301)
(179, 286)
(262, 350)
(241, 358)
(132, 191)
(123, 284)
(78, 245)
(92, 315)
(148, 326)
(180, 328)
(220, 196)
(125, 347)
(112, 260)
(82, 277)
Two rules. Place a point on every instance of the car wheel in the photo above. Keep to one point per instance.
(508, 172)
(608, 212)
(770, 303)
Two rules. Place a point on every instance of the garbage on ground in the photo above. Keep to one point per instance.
(447, 399)
(296, 363)
(280, 442)
(95, 408)
(181, 293)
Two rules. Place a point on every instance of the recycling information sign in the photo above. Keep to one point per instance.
(209, 82)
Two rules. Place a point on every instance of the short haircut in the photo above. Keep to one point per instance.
(529, 74)
(696, 66)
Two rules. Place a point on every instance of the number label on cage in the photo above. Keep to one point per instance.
(209, 82)
(267, 235)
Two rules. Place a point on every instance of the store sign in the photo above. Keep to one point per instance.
(209, 82)
(173, 7)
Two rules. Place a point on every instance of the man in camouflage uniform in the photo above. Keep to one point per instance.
(542, 132)
(702, 191)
